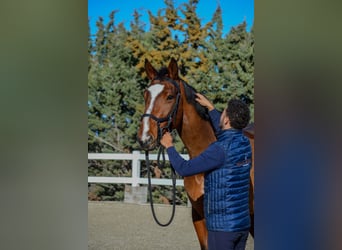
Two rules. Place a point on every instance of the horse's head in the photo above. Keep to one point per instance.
(162, 98)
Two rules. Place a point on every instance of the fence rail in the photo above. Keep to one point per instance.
(136, 157)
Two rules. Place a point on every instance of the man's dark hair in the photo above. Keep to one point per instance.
(238, 113)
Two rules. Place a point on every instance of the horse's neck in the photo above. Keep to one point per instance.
(196, 133)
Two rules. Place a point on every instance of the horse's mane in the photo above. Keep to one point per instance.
(190, 97)
(189, 94)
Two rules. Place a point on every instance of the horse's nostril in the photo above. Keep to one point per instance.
(141, 143)
(146, 142)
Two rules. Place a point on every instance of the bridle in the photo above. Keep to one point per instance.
(170, 117)
(161, 152)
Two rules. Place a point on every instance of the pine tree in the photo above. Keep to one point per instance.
(114, 93)
(213, 81)
(239, 69)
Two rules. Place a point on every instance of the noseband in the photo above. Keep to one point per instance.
(170, 117)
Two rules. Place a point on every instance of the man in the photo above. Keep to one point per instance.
(226, 164)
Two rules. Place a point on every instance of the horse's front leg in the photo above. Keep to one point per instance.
(199, 222)
(194, 186)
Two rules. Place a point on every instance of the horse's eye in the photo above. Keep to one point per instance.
(170, 97)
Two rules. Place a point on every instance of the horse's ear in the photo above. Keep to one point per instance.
(173, 69)
(150, 71)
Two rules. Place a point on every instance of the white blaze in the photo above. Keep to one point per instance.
(154, 90)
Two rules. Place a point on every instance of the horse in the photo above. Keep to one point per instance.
(170, 104)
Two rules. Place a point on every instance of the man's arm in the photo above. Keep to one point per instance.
(213, 113)
(210, 159)
(215, 116)
(201, 99)
(213, 157)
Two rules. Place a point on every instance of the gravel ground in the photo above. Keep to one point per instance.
(118, 225)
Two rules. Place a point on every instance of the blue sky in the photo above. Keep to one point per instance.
(234, 12)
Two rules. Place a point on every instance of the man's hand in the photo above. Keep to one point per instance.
(166, 140)
(204, 101)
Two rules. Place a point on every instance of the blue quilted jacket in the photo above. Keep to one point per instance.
(226, 164)
(227, 188)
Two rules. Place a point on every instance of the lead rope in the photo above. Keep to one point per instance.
(161, 151)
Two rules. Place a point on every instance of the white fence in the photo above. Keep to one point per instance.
(136, 157)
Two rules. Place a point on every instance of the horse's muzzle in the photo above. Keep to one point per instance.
(149, 144)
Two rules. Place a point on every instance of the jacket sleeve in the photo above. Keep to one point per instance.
(215, 116)
(213, 157)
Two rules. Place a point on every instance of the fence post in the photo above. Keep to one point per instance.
(135, 193)
(135, 168)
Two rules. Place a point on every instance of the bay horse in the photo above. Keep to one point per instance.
(170, 104)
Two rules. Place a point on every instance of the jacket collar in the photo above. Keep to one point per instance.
(228, 132)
